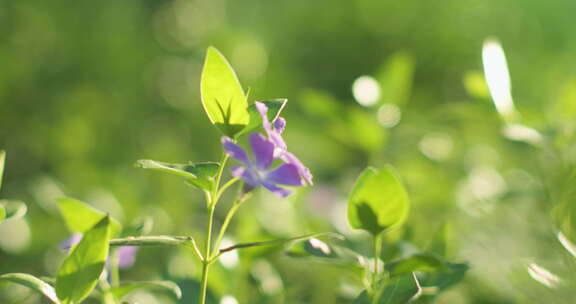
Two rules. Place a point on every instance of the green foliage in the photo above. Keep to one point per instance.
(81, 270)
(2, 213)
(222, 95)
(125, 288)
(417, 262)
(33, 283)
(200, 175)
(80, 217)
(378, 201)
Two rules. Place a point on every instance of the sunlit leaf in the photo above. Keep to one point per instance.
(222, 95)
(400, 290)
(378, 201)
(275, 107)
(200, 175)
(80, 271)
(128, 287)
(2, 213)
(79, 216)
(33, 283)
(417, 262)
(13, 210)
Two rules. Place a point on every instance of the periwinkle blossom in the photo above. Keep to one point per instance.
(265, 150)
(126, 254)
(274, 131)
(259, 172)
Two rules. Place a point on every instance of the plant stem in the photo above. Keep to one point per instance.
(377, 253)
(114, 269)
(206, 261)
(227, 221)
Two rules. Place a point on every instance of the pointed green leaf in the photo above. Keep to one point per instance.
(222, 96)
(277, 242)
(319, 251)
(378, 201)
(2, 160)
(417, 262)
(81, 270)
(275, 107)
(400, 290)
(199, 175)
(79, 216)
(33, 283)
(127, 287)
(13, 210)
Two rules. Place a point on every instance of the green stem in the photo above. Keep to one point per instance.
(114, 269)
(227, 221)
(377, 253)
(206, 261)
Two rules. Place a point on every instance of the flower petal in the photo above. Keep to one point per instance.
(286, 174)
(234, 150)
(263, 109)
(127, 256)
(245, 175)
(304, 172)
(280, 124)
(281, 192)
(263, 150)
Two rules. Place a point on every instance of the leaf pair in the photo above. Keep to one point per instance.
(224, 99)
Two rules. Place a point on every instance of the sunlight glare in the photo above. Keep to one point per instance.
(497, 76)
(366, 90)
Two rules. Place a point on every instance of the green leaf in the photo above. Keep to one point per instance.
(2, 161)
(279, 241)
(79, 216)
(222, 96)
(317, 251)
(417, 262)
(33, 283)
(275, 107)
(2, 213)
(13, 210)
(449, 276)
(400, 290)
(127, 287)
(81, 270)
(200, 175)
(378, 201)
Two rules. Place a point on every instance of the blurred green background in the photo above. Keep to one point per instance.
(89, 87)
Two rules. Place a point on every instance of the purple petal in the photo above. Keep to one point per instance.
(281, 192)
(280, 124)
(245, 175)
(235, 151)
(71, 241)
(286, 174)
(263, 151)
(302, 170)
(263, 109)
(126, 256)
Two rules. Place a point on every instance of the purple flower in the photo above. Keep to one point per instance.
(127, 256)
(274, 132)
(259, 172)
